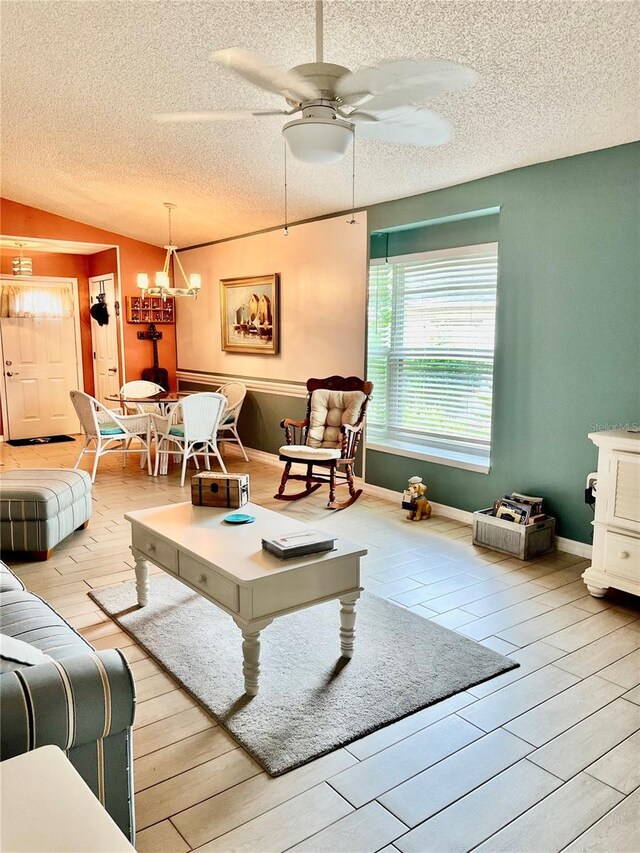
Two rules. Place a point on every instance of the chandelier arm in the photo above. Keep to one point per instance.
(184, 275)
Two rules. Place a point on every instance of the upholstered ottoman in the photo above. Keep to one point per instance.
(40, 507)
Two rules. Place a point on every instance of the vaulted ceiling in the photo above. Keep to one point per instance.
(81, 81)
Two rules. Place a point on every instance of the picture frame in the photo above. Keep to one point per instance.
(250, 314)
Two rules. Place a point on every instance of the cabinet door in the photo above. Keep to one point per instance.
(624, 498)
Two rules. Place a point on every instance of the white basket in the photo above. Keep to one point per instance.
(520, 540)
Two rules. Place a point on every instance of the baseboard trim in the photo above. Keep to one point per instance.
(572, 546)
(569, 546)
(451, 512)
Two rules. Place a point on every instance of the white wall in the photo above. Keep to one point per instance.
(323, 282)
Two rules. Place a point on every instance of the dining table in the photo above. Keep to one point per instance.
(163, 401)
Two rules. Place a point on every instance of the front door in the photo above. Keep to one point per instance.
(40, 369)
(104, 340)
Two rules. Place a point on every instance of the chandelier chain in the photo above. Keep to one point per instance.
(286, 212)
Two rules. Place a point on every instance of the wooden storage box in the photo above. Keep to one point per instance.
(212, 489)
(520, 540)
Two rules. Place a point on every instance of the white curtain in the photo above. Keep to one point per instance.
(20, 300)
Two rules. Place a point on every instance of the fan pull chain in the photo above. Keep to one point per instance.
(353, 220)
(286, 216)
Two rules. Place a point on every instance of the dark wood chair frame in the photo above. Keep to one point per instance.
(338, 471)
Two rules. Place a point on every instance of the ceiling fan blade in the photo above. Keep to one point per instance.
(407, 124)
(406, 80)
(216, 115)
(253, 68)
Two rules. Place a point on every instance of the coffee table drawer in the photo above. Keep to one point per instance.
(212, 585)
(156, 550)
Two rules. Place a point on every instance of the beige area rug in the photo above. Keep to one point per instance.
(311, 700)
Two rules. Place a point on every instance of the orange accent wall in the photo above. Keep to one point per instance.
(62, 266)
(135, 256)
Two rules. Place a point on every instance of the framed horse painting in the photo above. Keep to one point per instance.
(249, 313)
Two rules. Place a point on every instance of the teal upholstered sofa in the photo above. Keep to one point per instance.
(82, 700)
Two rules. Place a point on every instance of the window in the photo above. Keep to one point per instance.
(431, 332)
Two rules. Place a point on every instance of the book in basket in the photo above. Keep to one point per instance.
(299, 544)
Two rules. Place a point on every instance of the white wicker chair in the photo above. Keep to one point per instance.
(141, 388)
(194, 434)
(235, 392)
(104, 428)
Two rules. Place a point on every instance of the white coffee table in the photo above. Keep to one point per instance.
(225, 563)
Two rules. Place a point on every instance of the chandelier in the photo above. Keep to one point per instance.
(22, 265)
(162, 287)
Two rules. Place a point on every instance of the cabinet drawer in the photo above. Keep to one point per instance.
(210, 583)
(622, 556)
(156, 550)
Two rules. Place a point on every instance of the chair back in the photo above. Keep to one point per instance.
(85, 407)
(201, 415)
(140, 388)
(334, 401)
(235, 392)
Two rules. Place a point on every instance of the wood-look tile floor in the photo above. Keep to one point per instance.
(542, 758)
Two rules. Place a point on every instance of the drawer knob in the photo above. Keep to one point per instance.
(622, 555)
(202, 578)
(151, 546)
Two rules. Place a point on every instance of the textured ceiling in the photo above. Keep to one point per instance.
(81, 80)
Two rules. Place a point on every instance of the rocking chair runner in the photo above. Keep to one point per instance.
(328, 438)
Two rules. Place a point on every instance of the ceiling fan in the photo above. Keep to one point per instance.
(381, 102)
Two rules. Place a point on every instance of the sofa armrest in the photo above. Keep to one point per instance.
(75, 701)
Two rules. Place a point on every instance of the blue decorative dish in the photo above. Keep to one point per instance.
(239, 518)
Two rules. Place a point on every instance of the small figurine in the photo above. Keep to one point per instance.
(420, 506)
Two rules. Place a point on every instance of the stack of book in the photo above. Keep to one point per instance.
(521, 509)
(299, 544)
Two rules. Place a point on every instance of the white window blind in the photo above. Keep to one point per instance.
(431, 334)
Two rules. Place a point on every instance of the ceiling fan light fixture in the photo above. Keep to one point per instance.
(318, 140)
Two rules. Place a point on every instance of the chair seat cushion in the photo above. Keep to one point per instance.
(110, 428)
(177, 429)
(39, 493)
(308, 454)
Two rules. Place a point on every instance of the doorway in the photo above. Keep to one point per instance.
(41, 356)
(104, 339)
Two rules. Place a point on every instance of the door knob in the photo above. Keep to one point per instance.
(9, 373)
(113, 370)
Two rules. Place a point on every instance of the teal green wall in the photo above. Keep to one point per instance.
(462, 232)
(568, 321)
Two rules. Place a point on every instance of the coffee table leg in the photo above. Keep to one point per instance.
(251, 655)
(142, 577)
(348, 624)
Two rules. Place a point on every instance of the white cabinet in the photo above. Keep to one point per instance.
(616, 537)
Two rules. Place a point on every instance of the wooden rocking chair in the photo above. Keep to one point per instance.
(328, 438)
